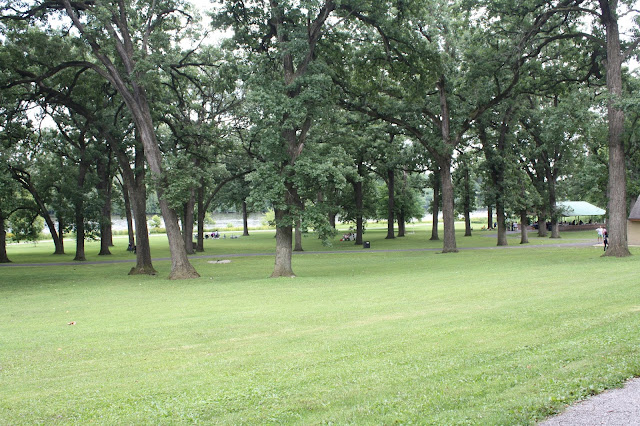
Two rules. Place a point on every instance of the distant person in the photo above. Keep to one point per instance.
(606, 242)
(600, 231)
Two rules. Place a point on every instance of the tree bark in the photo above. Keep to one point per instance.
(298, 236)
(524, 236)
(617, 223)
(489, 217)
(542, 223)
(390, 204)
(3, 241)
(502, 229)
(401, 224)
(187, 223)
(359, 199)
(435, 205)
(181, 268)
(467, 201)
(135, 182)
(284, 241)
(127, 210)
(104, 190)
(245, 219)
(448, 207)
(79, 211)
(202, 214)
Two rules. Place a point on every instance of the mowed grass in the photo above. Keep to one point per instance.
(417, 237)
(480, 337)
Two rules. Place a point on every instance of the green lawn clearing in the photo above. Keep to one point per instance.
(477, 337)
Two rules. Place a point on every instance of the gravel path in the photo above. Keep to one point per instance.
(614, 407)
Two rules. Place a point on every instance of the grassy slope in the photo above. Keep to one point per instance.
(488, 336)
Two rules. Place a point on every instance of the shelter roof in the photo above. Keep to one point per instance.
(579, 208)
(635, 211)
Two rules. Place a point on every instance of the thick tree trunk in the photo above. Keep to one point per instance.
(298, 236)
(390, 204)
(332, 219)
(542, 223)
(500, 218)
(524, 236)
(135, 184)
(448, 207)
(617, 223)
(181, 268)
(3, 241)
(128, 84)
(284, 241)
(401, 224)
(61, 226)
(245, 219)
(444, 162)
(435, 205)
(144, 265)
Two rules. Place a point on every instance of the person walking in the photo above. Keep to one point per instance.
(600, 232)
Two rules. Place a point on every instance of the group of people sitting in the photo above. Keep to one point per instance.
(214, 234)
(351, 236)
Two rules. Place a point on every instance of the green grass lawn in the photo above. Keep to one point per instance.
(481, 336)
(418, 237)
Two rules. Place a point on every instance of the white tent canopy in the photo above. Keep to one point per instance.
(579, 208)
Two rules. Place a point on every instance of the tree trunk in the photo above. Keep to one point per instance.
(135, 184)
(202, 214)
(489, 217)
(245, 219)
(390, 204)
(79, 219)
(187, 223)
(144, 265)
(524, 236)
(435, 205)
(104, 190)
(3, 241)
(61, 226)
(500, 218)
(551, 185)
(617, 223)
(181, 268)
(359, 199)
(332, 219)
(401, 224)
(284, 241)
(357, 189)
(542, 223)
(24, 179)
(298, 235)
(79, 211)
(127, 210)
(448, 207)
